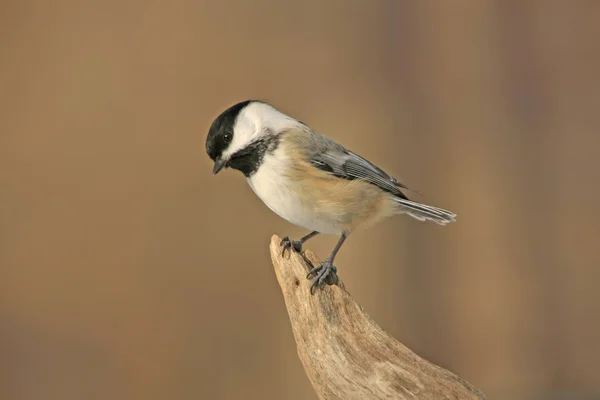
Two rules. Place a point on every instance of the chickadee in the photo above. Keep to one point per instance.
(307, 178)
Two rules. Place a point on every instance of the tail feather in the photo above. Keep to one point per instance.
(424, 212)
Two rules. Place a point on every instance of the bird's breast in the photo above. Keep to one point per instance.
(315, 200)
(286, 198)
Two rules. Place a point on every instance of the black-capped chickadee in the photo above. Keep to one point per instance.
(307, 178)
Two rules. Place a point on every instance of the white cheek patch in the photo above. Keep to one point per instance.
(254, 121)
(244, 132)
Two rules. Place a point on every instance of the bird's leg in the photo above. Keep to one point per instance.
(326, 272)
(296, 245)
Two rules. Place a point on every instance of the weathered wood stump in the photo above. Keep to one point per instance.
(345, 354)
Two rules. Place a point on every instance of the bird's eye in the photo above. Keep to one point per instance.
(227, 137)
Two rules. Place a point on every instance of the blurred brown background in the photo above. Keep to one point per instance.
(129, 272)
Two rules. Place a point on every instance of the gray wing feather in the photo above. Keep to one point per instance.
(334, 158)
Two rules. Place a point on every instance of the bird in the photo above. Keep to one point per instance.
(308, 179)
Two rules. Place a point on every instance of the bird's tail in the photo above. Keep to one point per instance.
(423, 212)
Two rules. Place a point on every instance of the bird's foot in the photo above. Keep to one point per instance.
(289, 244)
(324, 273)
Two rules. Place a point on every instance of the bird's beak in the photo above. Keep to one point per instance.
(219, 165)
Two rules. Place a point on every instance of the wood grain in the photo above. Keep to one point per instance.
(345, 354)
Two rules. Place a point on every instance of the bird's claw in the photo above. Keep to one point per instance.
(289, 244)
(324, 273)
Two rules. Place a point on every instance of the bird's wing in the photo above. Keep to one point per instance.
(335, 159)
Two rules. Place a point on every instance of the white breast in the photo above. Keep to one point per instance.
(272, 188)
